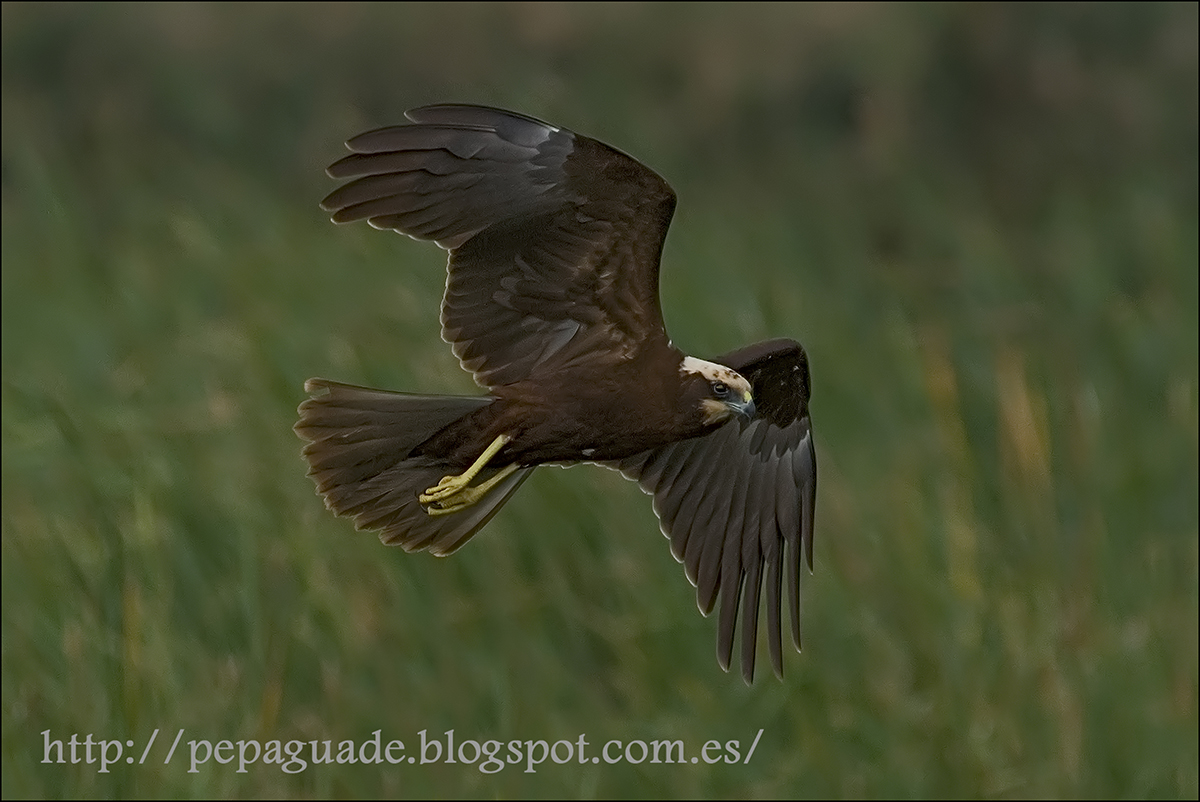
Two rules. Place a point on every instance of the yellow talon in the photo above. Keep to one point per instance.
(451, 486)
(469, 495)
(447, 486)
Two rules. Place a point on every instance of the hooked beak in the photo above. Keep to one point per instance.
(745, 407)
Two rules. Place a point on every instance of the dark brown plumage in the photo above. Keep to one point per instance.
(552, 303)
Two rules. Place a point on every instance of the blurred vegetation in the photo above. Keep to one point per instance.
(981, 220)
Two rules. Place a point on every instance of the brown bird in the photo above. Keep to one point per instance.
(552, 303)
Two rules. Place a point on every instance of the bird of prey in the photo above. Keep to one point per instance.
(552, 303)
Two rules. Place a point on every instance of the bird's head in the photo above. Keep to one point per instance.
(722, 392)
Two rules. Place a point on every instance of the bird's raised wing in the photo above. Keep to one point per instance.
(738, 504)
(554, 238)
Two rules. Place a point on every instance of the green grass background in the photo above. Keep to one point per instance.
(981, 221)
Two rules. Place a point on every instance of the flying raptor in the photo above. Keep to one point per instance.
(552, 303)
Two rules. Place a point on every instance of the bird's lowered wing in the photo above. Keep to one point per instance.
(554, 238)
(738, 504)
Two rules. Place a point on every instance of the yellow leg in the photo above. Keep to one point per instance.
(452, 485)
(469, 495)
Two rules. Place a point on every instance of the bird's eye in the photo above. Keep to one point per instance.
(721, 389)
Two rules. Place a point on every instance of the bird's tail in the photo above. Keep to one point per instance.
(360, 456)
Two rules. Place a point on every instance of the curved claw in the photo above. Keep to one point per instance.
(447, 487)
(466, 496)
(453, 485)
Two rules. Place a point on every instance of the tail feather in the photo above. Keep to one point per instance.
(358, 452)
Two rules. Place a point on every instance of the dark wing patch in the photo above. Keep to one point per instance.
(554, 238)
(738, 504)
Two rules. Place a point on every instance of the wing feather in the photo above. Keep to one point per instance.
(554, 238)
(722, 500)
(738, 503)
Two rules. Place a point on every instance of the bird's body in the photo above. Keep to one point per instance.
(565, 417)
(552, 303)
